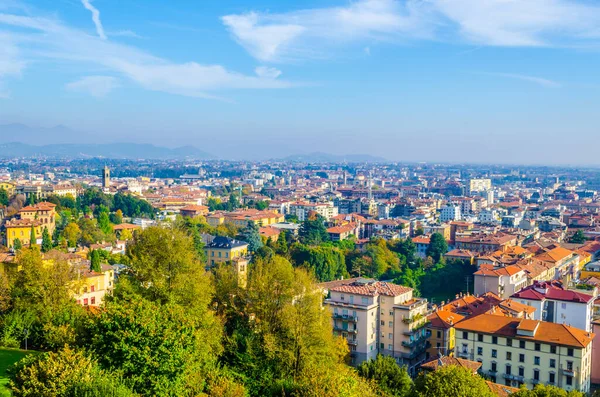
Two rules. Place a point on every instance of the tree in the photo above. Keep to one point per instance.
(104, 221)
(32, 236)
(117, 217)
(159, 349)
(46, 240)
(4, 199)
(95, 261)
(17, 245)
(578, 237)
(71, 234)
(126, 235)
(313, 231)
(251, 235)
(90, 232)
(541, 390)
(67, 373)
(437, 247)
(281, 246)
(451, 381)
(327, 263)
(392, 379)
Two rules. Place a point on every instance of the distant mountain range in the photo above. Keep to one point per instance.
(48, 145)
(319, 157)
(130, 151)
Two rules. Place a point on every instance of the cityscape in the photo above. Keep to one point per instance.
(333, 198)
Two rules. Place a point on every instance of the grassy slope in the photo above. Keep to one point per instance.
(7, 358)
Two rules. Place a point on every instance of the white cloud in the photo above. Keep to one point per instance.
(43, 38)
(125, 33)
(532, 79)
(265, 71)
(286, 36)
(98, 86)
(95, 18)
(10, 63)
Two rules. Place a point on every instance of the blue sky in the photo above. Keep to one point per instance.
(417, 80)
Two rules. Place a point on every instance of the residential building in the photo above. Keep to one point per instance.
(421, 244)
(441, 328)
(450, 213)
(502, 281)
(556, 304)
(480, 185)
(482, 242)
(94, 286)
(303, 209)
(224, 249)
(517, 352)
(379, 318)
(31, 218)
(193, 211)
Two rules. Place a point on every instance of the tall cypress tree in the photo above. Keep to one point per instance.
(46, 240)
(32, 236)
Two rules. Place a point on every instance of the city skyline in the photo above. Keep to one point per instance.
(448, 81)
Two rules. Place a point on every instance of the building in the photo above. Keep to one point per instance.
(441, 328)
(482, 242)
(480, 185)
(106, 177)
(242, 217)
(9, 187)
(343, 232)
(378, 317)
(194, 211)
(517, 352)
(31, 218)
(302, 210)
(502, 281)
(94, 286)
(451, 213)
(421, 245)
(556, 304)
(224, 249)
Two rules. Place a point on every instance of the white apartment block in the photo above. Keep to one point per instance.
(556, 304)
(516, 352)
(502, 281)
(451, 213)
(379, 318)
(301, 210)
(480, 185)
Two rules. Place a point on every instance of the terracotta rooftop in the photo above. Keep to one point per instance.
(372, 288)
(553, 333)
(445, 361)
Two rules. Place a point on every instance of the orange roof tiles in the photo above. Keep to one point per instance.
(373, 289)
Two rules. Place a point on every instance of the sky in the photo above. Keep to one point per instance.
(508, 81)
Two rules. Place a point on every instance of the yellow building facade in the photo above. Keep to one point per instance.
(224, 249)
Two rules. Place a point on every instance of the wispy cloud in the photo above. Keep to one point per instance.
(284, 36)
(125, 33)
(95, 18)
(10, 63)
(43, 38)
(97, 86)
(531, 79)
(267, 72)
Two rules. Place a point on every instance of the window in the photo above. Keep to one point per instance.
(85, 302)
(341, 296)
(508, 370)
(522, 344)
(563, 305)
(521, 358)
(391, 313)
(438, 345)
(480, 351)
(494, 353)
(465, 335)
(569, 365)
(365, 301)
(538, 347)
(391, 336)
(212, 253)
(439, 334)
(536, 360)
(569, 380)
(219, 254)
(551, 377)
(508, 355)
(391, 324)
(508, 342)
(383, 323)
(494, 367)
(92, 288)
(553, 349)
(93, 300)
(521, 371)
(495, 340)
(570, 352)
(480, 338)
(390, 347)
(552, 363)
(536, 374)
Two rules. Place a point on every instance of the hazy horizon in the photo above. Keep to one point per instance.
(478, 81)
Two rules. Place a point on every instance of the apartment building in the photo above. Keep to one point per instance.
(224, 249)
(515, 351)
(502, 281)
(379, 318)
(555, 303)
(451, 213)
(302, 210)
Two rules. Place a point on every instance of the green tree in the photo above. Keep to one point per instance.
(160, 349)
(451, 381)
(392, 379)
(281, 246)
(327, 263)
(46, 240)
(547, 391)
(32, 237)
(313, 231)
(251, 235)
(437, 247)
(578, 237)
(4, 199)
(95, 261)
(104, 221)
(117, 217)
(71, 234)
(90, 232)
(17, 245)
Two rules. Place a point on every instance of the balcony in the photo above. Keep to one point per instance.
(535, 381)
(416, 341)
(413, 331)
(464, 354)
(568, 371)
(514, 377)
(417, 351)
(342, 329)
(352, 342)
(347, 317)
(490, 372)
